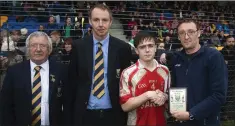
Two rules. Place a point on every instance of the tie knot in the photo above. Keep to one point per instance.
(37, 68)
(99, 44)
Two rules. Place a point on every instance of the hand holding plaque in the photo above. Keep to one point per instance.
(178, 99)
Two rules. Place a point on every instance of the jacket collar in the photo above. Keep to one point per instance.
(183, 54)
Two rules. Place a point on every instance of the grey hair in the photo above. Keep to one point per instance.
(38, 34)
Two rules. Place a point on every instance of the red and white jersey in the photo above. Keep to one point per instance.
(136, 80)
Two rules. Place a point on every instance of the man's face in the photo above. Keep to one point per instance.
(51, 20)
(41, 27)
(230, 42)
(100, 21)
(146, 50)
(161, 46)
(167, 38)
(39, 49)
(68, 20)
(189, 35)
(15, 37)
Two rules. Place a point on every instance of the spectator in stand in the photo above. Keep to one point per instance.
(222, 37)
(68, 30)
(15, 43)
(215, 38)
(9, 56)
(160, 49)
(79, 25)
(41, 28)
(51, 26)
(229, 56)
(57, 44)
(131, 25)
(134, 31)
(67, 47)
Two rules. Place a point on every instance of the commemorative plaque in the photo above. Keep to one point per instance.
(178, 99)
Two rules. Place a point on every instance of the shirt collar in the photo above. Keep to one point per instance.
(141, 66)
(103, 41)
(44, 66)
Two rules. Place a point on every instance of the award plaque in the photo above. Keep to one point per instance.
(178, 99)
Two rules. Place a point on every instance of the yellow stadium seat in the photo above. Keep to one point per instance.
(3, 19)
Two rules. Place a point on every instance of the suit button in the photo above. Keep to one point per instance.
(85, 103)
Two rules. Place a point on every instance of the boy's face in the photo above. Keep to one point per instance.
(146, 50)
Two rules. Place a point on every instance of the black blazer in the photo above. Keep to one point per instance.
(16, 95)
(80, 76)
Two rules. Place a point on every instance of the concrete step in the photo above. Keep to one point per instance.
(117, 31)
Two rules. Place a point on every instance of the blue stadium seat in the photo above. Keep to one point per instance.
(6, 26)
(31, 19)
(17, 27)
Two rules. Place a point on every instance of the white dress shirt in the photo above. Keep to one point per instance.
(44, 73)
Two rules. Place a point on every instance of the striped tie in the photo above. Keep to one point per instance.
(98, 86)
(36, 98)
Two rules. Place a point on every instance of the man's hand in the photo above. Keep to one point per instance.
(163, 58)
(180, 116)
(151, 95)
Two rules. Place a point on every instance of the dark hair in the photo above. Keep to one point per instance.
(15, 32)
(68, 41)
(189, 21)
(142, 36)
(229, 36)
(102, 7)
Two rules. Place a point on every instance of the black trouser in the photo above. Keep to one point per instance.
(99, 117)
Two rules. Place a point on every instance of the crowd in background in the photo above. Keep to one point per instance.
(66, 21)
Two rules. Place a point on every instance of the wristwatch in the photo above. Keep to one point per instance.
(191, 117)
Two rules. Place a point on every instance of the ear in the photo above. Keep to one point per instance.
(199, 33)
(111, 21)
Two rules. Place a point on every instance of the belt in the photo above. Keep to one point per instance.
(99, 112)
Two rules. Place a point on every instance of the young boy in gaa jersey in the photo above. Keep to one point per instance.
(143, 86)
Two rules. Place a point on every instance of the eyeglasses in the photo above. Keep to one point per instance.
(190, 33)
(42, 46)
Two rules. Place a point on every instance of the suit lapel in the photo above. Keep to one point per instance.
(89, 55)
(52, 78)
(112, 55)
(27, 78)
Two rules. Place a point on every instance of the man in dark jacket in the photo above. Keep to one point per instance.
(202, 71)
(229, 56)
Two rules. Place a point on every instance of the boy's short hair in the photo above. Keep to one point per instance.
(142, 36)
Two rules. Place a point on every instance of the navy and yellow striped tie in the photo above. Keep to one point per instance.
(36, 98)
(98, 86)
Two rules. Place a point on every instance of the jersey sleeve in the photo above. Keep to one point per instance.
(125, 88)
(167, 80)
